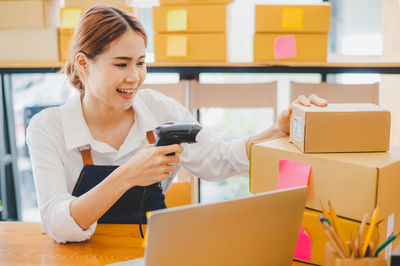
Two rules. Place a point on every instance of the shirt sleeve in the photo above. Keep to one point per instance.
(51, 187)
(211, 158)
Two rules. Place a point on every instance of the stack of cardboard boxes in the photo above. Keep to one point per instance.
(291, 32)
(352, 166)
(193, 31)
(25, 26)
(70, 16)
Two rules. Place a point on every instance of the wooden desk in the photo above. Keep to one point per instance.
(23, 243)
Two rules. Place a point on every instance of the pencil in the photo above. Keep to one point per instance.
(370, 231)
(335, 238)
(334, 241)
(363, 223)
(338, 228)
(387, 242)
(354, 251)
(358, 241)
(325, 212)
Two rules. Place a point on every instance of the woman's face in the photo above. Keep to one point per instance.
(114, 77)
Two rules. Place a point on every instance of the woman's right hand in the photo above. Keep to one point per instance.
(150, 165)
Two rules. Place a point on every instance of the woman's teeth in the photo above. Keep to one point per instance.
(125, 91)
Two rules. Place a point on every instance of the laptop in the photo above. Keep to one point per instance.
(261, 229)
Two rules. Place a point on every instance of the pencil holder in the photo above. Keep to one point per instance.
(333, 259)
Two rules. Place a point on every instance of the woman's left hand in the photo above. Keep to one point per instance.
(283, 121)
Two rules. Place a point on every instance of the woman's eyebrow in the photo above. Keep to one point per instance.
(126, 57)
(123, 58)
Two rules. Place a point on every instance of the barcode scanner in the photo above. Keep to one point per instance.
(177, 133)
(168, 134)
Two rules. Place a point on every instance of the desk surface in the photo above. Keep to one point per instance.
(23, 243)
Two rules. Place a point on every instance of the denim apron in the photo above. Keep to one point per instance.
(133, 205)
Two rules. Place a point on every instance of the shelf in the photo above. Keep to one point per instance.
(188, 69)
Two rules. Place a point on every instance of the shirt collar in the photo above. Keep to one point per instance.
(77, 133)
(144, 121)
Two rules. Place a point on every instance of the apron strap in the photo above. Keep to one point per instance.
(150, 137)
(87, 156)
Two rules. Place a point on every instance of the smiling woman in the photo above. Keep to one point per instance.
(101, 140)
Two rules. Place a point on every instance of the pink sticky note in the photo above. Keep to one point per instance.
(293, 174)
(285, 47)
(304, 246)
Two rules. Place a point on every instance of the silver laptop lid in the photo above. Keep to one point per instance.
(258, 230)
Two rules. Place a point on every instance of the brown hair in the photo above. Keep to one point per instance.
(97, 28)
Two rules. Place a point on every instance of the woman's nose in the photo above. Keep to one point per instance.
(132, 76)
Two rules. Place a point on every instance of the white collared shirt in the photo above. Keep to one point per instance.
(54, 135)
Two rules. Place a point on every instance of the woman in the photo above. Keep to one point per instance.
(109, 122)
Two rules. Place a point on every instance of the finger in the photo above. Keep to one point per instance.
(177, 148)
(302, 100)
(168, 168)
(314, 99)
(170, 159)
(287, 112)
(163, 176)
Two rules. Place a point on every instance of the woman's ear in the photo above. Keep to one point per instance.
(81, 63)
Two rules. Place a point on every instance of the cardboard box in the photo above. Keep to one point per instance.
(190, 47)
(355, 183)
(70, 16)
(190, 19)
(313, 227)
(29, 44)
(64, 42)
(290, 47)
(15, 14)
(292, 18)
(194, 2)
(356, 127)
(89, 3)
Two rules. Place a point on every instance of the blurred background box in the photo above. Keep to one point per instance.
(29, 44)
(16, 14)
(308, 47)
(64, 41)
(352, 127)
(291, 32)
(194, 2)
(192, 18)
(355, 183)
(293, 18)
(190, 47)
(70, 16)
(89, 3)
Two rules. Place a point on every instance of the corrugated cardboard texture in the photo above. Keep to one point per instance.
(340, 128)
(309, 47)
(201, 48)
(316, 18)
(354, 182)
(215, 22)
(29, 44)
